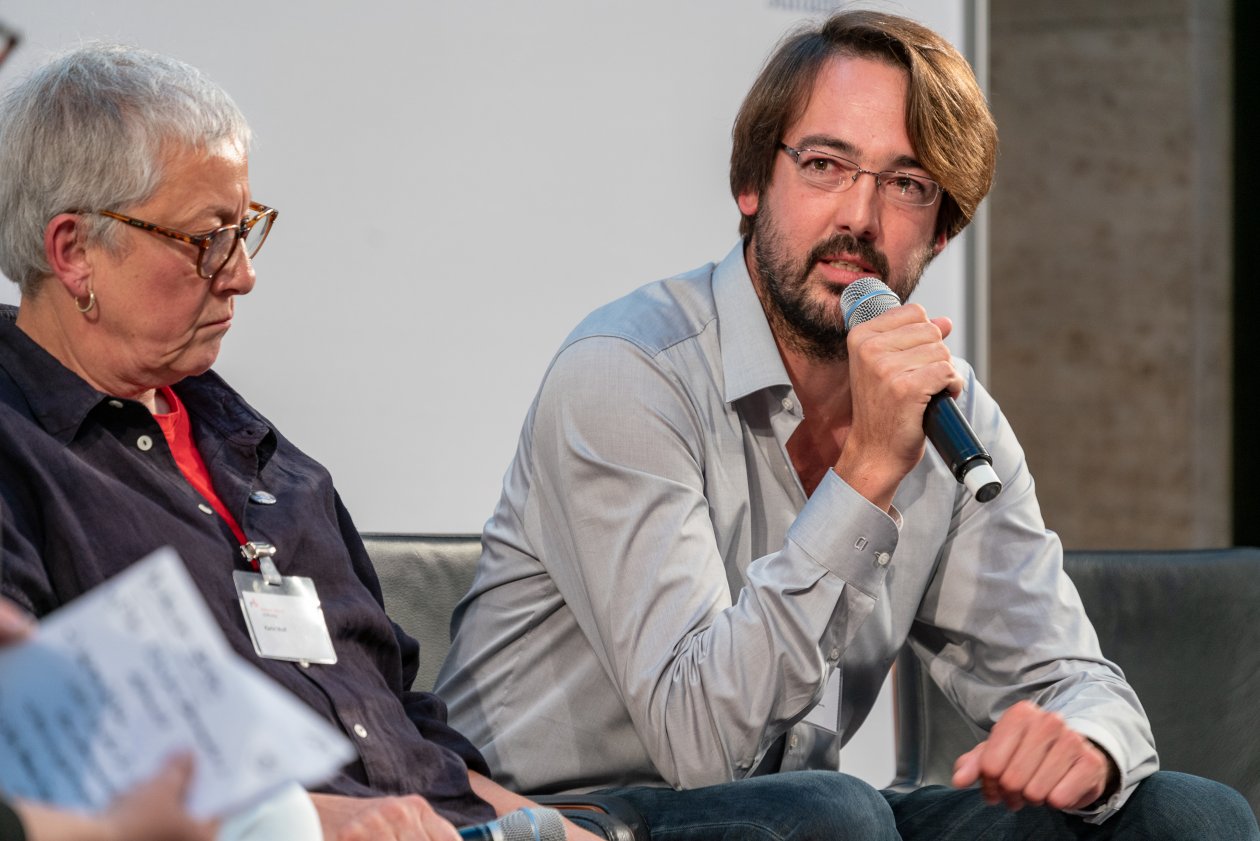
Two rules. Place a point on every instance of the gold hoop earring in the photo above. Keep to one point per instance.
(90, 304)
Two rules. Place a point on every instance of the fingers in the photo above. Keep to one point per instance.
(1065, 761)
(1013, 753)
(946, 327)
(901, 320)
(903, 341)
(179, 771)
(1017, 746)
(967, 767)
(15, 624)
(397, 819)
(908, 314)
(1084, 783)
(897, 362)
(154, 810)
(1033, 757)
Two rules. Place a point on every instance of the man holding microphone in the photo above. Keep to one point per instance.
(723, 520)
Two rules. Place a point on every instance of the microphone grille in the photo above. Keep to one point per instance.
(532, 825)
(865, 298)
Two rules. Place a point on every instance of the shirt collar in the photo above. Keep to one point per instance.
(61, 400)
(750, 356)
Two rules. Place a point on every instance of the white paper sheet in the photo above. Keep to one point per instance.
(133, 671)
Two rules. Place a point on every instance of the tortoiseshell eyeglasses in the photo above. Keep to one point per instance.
(217, 246)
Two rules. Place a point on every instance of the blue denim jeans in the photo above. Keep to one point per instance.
(830, 806)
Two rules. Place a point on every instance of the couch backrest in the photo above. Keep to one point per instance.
(423, 577)
(1184, 626)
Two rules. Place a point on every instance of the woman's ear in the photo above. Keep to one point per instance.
(66, 254)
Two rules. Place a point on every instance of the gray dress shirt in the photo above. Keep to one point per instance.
(658, 601)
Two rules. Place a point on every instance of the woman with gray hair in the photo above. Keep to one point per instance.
(127, 221)
(123, 313)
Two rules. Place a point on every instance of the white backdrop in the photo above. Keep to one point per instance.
(458, 184)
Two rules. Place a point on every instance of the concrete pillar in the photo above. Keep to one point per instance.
(1111, 263)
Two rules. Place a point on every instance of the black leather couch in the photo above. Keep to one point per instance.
(1183, 625)
(422, 577)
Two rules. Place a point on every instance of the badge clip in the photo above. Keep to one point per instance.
(261, 554)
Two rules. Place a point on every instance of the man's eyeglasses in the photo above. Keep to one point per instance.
(218, 246)
(837, 174)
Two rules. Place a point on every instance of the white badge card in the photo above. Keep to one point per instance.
(826, 714)
(285, 620)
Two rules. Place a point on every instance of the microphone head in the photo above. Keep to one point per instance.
(532, 825)
(865, 298)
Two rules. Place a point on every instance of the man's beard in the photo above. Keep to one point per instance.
(815, 328)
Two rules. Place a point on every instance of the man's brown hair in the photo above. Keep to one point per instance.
(947, 117)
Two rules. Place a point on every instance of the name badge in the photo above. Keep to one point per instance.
(282, 613)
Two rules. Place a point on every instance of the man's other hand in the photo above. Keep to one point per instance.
(1033, 757)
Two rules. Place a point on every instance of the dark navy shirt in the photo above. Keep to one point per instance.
(88, 486)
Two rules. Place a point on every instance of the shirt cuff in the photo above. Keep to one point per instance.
(1102, 740)
(1103, 810)
(847, 535)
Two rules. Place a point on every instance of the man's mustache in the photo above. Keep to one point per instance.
(849, 244)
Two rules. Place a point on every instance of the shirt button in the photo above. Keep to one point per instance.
(360, 731)
(117, 404)
(262, 498)
(883, 558)
(834, 655)
(144, 443)
(788, 405)
(205, 509)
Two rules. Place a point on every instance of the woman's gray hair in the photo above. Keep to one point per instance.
(92, 130)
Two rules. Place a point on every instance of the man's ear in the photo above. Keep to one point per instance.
(748, 203)
(939, 245)
(66, 255)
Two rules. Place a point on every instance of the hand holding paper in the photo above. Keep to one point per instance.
(114, 683)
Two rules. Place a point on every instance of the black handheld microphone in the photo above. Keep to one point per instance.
(944, 424)
(535, 824)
